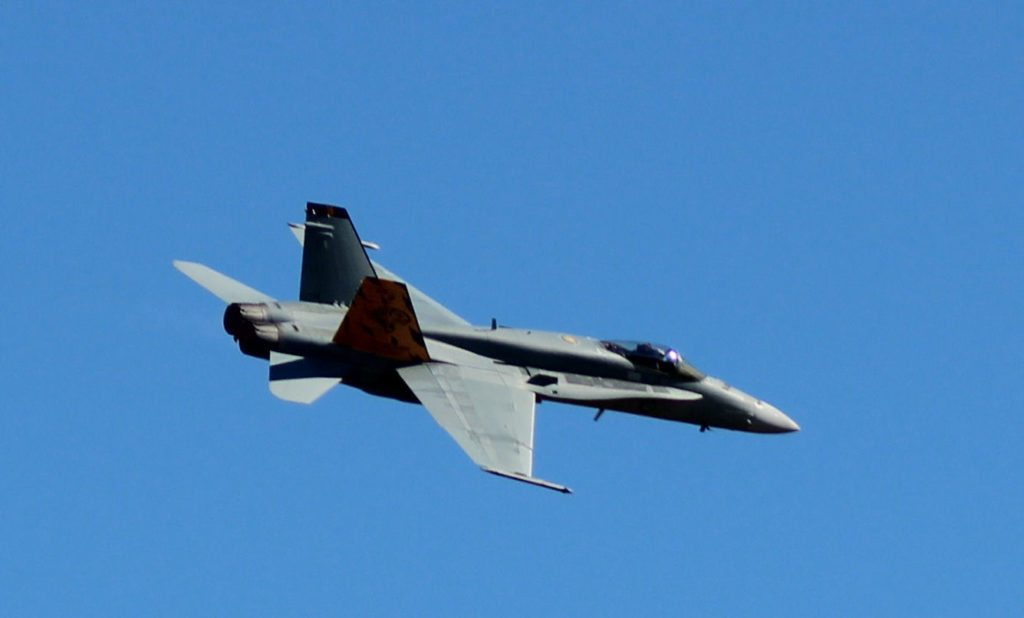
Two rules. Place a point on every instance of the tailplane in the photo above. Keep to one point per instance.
(300, 379)
(220, 285)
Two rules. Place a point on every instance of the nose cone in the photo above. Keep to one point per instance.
(744, 412)
(770, 419)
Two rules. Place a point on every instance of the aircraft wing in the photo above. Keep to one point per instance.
(486, 411)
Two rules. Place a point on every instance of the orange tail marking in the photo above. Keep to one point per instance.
(382, 322)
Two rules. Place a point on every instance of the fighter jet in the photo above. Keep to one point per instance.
(358, 324)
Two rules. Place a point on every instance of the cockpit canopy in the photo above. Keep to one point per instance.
(655, 356)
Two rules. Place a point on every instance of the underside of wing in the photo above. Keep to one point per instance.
(486, 410)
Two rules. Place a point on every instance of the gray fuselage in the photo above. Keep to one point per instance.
(557, 367)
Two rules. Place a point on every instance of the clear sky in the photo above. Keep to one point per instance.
(822, 205)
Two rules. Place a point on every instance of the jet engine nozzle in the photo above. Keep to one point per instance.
(267, 332)
(234, 323)
(254, 313)
(239, 321)
(238, 315)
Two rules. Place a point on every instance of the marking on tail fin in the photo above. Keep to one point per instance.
(382, 322)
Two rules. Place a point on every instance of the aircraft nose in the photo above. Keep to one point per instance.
(773, 420)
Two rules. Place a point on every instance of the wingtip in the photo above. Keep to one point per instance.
(515, 476)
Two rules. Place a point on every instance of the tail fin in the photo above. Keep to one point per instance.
(334, 262)
(429, 311)
(383, 322)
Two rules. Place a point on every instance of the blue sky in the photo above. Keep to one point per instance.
(821, 205)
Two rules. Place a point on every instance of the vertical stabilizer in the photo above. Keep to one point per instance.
(334, 261)
(382, 322)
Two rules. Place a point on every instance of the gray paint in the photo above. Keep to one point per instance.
(334, 261)
(481, 384)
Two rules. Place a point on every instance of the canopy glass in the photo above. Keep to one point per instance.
(655, 356)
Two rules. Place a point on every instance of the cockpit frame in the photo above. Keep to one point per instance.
(655, 356)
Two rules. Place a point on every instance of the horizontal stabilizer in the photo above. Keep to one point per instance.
(529, 479)
(300, 379)
(221, 286)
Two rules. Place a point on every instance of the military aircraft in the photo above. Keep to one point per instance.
(358, 324)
